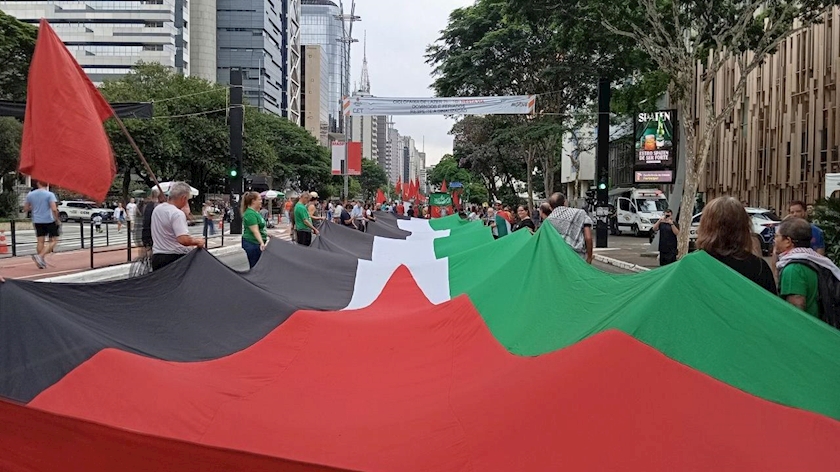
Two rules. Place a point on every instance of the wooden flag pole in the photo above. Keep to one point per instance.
(139, 153)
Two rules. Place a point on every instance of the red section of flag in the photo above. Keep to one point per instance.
(398, 187)
(557, 409)
(380, 196)
(443, 186)
(456, 199)
(64, 142)
(354, 158)
(35, 440)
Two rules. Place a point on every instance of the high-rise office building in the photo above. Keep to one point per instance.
(395, 152)
(203, 39)
(322, 25)
(108, 38)
(315, 85)
(382, 142)
(262, 37)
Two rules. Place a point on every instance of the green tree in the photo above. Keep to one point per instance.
(447, 169)
(17, 43)
(372, 179)
(678, 36)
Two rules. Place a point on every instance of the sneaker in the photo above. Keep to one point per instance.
(39, 261)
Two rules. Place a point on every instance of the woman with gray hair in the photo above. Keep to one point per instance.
(171, 238)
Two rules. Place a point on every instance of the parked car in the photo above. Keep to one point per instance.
(80, 210)
(764, 227)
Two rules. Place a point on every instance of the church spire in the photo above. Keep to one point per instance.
(365, 75)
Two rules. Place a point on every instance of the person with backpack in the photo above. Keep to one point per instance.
(807, 279)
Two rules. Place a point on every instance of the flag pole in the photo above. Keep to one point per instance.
(139, 153)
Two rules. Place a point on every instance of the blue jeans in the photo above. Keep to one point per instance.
(252, 250)
(208, 223)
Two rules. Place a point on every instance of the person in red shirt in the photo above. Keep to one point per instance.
(400, 209)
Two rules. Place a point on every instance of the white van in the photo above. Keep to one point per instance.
(832, 184)
(637, 210)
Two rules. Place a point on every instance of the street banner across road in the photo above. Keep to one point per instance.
(372, 106)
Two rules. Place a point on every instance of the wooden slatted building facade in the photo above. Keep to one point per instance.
(779, 144)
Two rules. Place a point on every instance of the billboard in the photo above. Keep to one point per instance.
(379, 106)
(654, 176)
(656, 146)
(354, 167)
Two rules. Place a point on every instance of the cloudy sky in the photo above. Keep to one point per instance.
(398, 32)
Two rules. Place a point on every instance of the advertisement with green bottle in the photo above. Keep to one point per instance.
(656, 145)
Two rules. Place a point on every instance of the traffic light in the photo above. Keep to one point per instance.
(233, 173)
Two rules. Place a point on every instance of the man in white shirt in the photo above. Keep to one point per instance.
(131, 212)
(171, 238)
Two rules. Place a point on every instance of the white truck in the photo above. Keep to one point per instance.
(637, 210)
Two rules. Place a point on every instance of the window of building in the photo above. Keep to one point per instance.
(154, 24)
(153, 47)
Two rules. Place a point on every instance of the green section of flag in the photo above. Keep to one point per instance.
(537, 296)
(447, 222)
(464, 238)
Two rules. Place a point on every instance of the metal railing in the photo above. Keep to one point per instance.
(20, 239)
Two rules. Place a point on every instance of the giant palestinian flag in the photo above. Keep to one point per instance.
(422, 345)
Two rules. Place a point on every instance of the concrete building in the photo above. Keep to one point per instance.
(108, 38)
(314, 87)
(262, 37)
(784, 135)
(382, 125)
(365, 129)
(322, 25)
(203, 39)
(395, 153)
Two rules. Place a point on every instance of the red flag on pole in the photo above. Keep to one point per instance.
(380, 196)
(417, 187)
(443, 186)
(456, 199)
(64, 142)
(398, 187)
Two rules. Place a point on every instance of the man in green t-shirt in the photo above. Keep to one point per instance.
(303, 221)
(798, 283)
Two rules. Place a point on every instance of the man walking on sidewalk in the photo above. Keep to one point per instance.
(43, 205)
(171, 238)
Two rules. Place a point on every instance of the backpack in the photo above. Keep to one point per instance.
(828, 293)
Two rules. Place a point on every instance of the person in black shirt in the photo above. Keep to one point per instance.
(725, 233)
(345, 218)
(667, 238)
(525, 221)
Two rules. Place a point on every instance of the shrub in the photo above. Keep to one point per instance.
(827, 216)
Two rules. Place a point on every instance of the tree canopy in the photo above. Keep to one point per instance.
(188, 138)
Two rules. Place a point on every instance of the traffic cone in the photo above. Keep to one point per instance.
(4, 248)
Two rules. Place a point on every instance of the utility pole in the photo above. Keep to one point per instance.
(348, 40)
(602, 167)
(236, 119)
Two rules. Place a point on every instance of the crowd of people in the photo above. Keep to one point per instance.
(798, 271)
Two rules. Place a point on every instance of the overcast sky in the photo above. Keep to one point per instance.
(398, 32)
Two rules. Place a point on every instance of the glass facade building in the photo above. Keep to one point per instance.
(258, 36)
(322, 25)
(107, 38)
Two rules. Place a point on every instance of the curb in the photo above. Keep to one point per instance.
(621, 264)
(120, 271)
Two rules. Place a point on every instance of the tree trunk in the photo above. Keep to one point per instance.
(695, 162)
(126, 184)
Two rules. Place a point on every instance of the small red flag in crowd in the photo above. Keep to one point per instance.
(64, 141)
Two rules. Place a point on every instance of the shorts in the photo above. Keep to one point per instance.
(46, 229)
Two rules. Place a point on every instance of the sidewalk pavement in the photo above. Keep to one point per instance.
(109, 262)
(628, 259)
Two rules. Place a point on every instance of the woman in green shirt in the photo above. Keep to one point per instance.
(255, 237)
